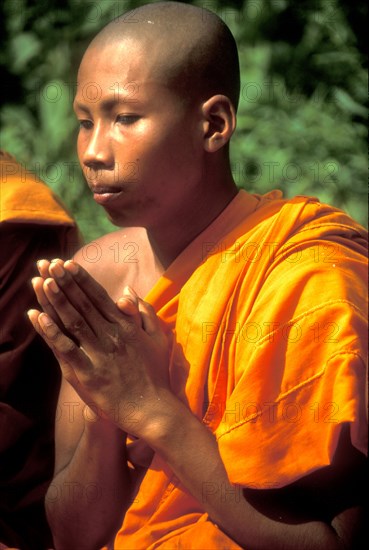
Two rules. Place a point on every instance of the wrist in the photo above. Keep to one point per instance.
(97, 427)
(167, 423)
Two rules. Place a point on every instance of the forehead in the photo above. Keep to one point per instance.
(124, 61)
(128, 70)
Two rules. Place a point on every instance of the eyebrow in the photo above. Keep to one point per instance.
(108, 102)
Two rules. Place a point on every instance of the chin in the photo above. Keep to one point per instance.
(121, 219)
(115, 220)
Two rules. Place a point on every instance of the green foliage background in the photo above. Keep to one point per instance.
(302, 112)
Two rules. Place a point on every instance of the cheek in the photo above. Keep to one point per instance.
(81, 147)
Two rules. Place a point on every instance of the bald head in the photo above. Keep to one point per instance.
(189, 49)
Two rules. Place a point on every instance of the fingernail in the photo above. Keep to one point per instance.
(130, 291)
(52, 286)
(72, 267)
(39, 266)
(33, 281)
(58, 269)
(125, 302)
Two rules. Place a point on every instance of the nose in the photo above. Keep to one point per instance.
(98, 152)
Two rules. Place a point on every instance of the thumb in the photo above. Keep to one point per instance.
(128, 304)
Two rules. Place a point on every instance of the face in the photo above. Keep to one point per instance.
(139, 144)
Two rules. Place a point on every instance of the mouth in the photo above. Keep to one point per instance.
(103, 195)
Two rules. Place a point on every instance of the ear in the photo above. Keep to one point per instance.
(219, 118)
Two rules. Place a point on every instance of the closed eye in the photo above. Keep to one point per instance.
(127, 119)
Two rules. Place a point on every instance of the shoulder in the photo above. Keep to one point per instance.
(294, 214)
(306, 245)
(110, 247)
(118, 259)
(307, 218)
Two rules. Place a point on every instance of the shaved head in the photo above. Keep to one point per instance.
(189, 49)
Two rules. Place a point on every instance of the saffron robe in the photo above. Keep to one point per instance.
(33, 225)
(268, 312)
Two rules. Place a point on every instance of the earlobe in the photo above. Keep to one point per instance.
(219, 122)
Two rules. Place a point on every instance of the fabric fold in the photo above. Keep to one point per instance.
(268, 312)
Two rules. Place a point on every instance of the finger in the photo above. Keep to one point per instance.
(43, 268)
(71, 358)
(79, 315)
(128, 304)
(150, 321)
(50, 332)
(77, 297)
(60, 344)
(37, 284)
(94, 305)
(83, 291)
(34, 315)
(73, 322)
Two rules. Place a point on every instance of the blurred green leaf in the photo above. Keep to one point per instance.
(23, 48)
(348, 104)
(302, 112)
(55, 114)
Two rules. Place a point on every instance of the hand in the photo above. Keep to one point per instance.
(116, 358)
(124, 303)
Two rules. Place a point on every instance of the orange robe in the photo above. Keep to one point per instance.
(33, 225)
(268, 309)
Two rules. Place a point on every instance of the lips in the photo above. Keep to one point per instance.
(101, 189)
(103, 195)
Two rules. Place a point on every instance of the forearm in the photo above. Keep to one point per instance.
(87, 499)
(191, 450)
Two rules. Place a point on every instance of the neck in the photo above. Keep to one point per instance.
(169, 241)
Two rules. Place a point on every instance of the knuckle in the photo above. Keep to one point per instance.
(85, 306)
(109, 342)
(58, 341)
(130, 330)
(113, 337)
(66, 346)
(51, 332)
(76, 325)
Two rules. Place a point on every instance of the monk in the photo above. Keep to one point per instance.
(33, 222)
(212, 349)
